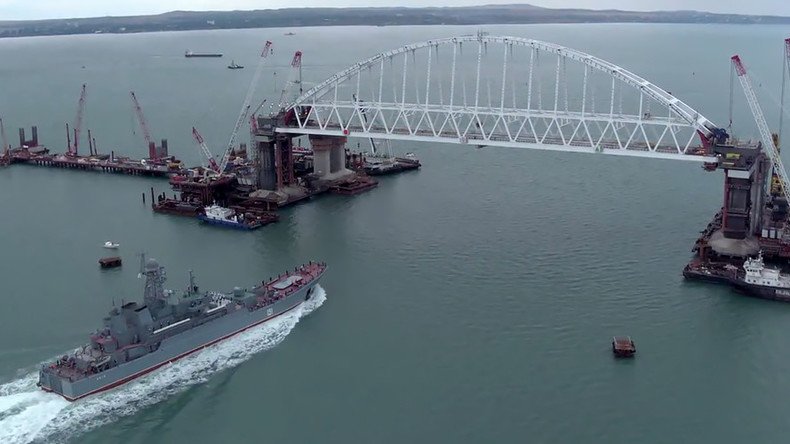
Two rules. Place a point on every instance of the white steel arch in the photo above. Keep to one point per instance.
(639, 120)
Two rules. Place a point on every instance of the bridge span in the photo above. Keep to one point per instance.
(502, 91)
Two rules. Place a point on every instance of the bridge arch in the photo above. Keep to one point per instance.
(441, 91)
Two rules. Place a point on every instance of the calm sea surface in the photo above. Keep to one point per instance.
(471, 301)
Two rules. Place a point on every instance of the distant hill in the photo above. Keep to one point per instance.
(295, 17)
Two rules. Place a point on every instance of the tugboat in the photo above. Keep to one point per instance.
(623, 346)
(233, 65)
(762, 282)
(227, 217)
(136, 339)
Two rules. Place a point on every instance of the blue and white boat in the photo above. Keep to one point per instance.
(227, 217)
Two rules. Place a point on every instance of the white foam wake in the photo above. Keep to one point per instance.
(28, 414)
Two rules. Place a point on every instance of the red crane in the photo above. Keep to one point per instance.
(74, 149)
(294, 79)
(149, 142)
(206, 152)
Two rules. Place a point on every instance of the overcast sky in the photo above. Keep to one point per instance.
(38, 9)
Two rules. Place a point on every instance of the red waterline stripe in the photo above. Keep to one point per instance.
(150, 369)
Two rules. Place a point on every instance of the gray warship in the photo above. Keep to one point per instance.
(138, 339)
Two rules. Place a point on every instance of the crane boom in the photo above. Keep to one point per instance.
(73, 150)
(6, 146)
(245, 108)
(785, 76)
(141, 120)
(765, 133)
(294, 78)
(206, 152)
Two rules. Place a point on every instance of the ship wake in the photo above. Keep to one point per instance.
(29, 415)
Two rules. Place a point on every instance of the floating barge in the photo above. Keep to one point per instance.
(105, 164)
(354, 186)
(623, 346)
(176, 207)
(396, 165)
(30, 152)
(110, 262)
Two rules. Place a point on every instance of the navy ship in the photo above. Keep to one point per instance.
(138, 339)
(761, 281)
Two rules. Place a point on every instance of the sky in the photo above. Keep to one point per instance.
(43, 9)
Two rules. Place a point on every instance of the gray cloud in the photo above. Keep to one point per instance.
(38, 9)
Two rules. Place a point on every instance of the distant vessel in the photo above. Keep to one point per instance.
(762, 282)
(233, 65)
(138, 339)
(289, 33)
(217, 215)
(198, 54)
(112, 245)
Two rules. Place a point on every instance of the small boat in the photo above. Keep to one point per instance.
(623, 346)
(112, 245)
(289, 33)
(233, 65)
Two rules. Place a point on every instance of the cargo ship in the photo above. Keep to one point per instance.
(201, 54)
(138, 339)
(762, 282)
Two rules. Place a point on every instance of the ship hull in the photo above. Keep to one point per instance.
(230, 224)
(202, 55)
(176, 347)
(762, 292)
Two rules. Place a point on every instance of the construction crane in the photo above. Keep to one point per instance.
(245, 108)
(212, 164)
(765, 133)
(149, 142)
(785, 76)
(74, 149)
(6, 146)
(295, 78)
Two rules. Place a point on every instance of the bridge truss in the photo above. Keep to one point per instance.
(485, 90)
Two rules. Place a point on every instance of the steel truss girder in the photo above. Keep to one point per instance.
(562, 129)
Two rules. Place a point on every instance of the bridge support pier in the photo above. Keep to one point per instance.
(274, 152)
(329, 157)
(746, 173)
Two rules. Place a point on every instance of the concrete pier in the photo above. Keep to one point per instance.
(329, 157)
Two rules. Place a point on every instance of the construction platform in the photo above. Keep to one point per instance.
(753, 219)
(104, 164)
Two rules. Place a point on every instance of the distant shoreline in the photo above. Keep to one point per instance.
(313, 17)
